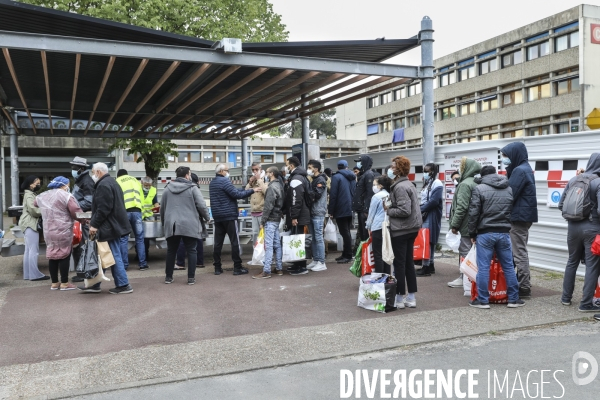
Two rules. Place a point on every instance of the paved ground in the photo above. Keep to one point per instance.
(550, 349)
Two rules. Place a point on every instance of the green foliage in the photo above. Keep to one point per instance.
(320, 126)
(153, 152)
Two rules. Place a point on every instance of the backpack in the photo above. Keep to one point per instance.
(577, 204)
(309, 193)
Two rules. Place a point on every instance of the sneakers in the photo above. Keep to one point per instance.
(344, 261)
(200, 266)
(191, 281)
(423, 271)
(121, 290)
(168, 280)
(565, 303)
(67, 286)
(410, 303)
(262, 275)
(90, 289)
(516, 304)
(339, 258)
(597, 317)
(278, 272)
(241, 271)
(311, 265)
(55, 286)
(458, 282)
(399, 302)
(76, 279)
(475, 303)
(178, 267)
(218, 270)
(300, 271)
(144, 267)
(319, 267)
(589, 308)
(467, 293)
(524, 292)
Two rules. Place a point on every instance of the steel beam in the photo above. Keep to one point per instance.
(109, 66)
(245, 161)
(305, 127)
(14, 161)
(74, 95)
(51, 43)
(426, 40)
(13, 73)
(47, 82)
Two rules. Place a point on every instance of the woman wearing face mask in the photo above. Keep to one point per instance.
(381, 188)
(29, 226)
(59, 209)
(432, 206)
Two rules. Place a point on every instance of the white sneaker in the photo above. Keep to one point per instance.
(458, 282)
(399, 301)
(467, 293)
(319, 267)
(312, 265)
(410, 304)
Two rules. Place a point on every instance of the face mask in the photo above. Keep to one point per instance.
(227, 175)
(390, 174)
(68, 190)
(36, 188)
(310, 172)
(427, 178)
(95, 178)
(505, 160)
(376, 189)
(359, 164)
(455, 182)
(75, 174)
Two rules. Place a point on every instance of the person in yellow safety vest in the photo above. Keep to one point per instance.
(149, 201)
(132, 196)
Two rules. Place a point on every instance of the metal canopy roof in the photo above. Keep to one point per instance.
(119, 80)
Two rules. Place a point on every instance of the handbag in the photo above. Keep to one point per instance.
(40, 225)
(105, 254)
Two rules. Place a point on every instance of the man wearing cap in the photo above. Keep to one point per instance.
(132, 197)
(343, 186)
(83, 191)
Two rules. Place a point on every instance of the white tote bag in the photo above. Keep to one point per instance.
(469, 264)
(258, 256)
(330, 232)
(371, 296)
(387, 253)
(293, 248)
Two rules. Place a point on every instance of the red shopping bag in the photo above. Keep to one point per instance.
(77, 234)
(367, 258)
(497, 285)
(596, 246)
(421, 247)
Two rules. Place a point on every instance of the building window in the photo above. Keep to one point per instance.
(538, 131)
(399, 123)
(492, 136)
(449, 112)
(414, 89)
(512, 59)
(414, 120)
(447, 79)
(510, 98)
(466, 73)
(373, 102)
(386, 126)
(567, 86)
(538, 50)
(562, 128)
(538, 92)
(214, 156)
(372, 129)
(386, 98)
(128, 157)
(468, 108)
(488, 66)
(512, 134)
(566, 41)
(399, 93)
(488, 104)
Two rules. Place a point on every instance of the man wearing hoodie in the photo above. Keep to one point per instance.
(83, 191)
(524, 211)
(489, 226)
(181, 209)
(459, 215)
(343, 187)
(317, 215)
(364, 194)
(580, 236)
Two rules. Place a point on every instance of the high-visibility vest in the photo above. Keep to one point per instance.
(132, 191)
(147, 204)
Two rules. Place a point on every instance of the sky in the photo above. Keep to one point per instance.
(457, 24)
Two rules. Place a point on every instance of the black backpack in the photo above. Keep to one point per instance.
(309, 193)
(577, 204)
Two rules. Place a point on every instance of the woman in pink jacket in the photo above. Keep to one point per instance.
(59, 210)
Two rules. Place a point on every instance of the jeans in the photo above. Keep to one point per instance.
(30, 258)
(318, 243)
(199, 253)
(344, 224)
(118, 270)
(63, 265)
(377, 243)
(229, 228)
(580, 237)
(487, 244)
(172, 246)
(135, 220)
(272, 245)
(519, 235)
(404, 266)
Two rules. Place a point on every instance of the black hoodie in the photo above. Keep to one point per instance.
(294, 205)
(522, 181)
(364, 187)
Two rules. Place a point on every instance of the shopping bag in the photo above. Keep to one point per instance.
(293, 248)
(105, 254)
(77, 234)
(422, 246)
(88, 264)
(258, 256)
(98, 278)
(596, 246)
(497, 285)
(330, 232)
(468, 266)
(356, 267)
(596, 300)
(377, 292)
(367, 257)
(387, 253)
(453, 241)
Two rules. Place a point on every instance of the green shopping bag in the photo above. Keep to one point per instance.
(356, 267)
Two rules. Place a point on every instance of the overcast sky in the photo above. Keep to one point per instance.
(457, 24)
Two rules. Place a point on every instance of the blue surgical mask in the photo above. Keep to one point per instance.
(427, 177)
(75, 173)
(390, 174)
(505, 160)
(359, 164)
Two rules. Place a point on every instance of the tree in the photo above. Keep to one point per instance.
(153, 152)
(321, 126)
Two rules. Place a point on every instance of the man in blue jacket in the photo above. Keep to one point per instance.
(343, 186)
(224, 207)
(524, 210)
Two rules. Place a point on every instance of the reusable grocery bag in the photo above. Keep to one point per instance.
(88, 262)
(453, 241)
(421, 246)
(356, 267)
(469, 265)
(367, 257)
(497, 285)
(377, 292)
(259, 249)
(387, 253)
(106, 256)
(330, 232)
(293, 248)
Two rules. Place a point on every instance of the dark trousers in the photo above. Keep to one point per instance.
(199, 253)
(229, 228)
(63, 265)
(147, 247)
(172, 246)
(344, 224)
(404, 266)
(377, 243)
(362, 231)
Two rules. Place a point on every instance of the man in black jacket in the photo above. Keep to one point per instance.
(295, 207)
(489, 227)
(109, 224)
(83, 191)
(363, 195)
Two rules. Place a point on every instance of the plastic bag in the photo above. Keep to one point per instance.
(330, 232)
(356, 267)
(368, 259)
(387, 252)
(88, 262)
(258, 256)
(293, 248)
(380, 296)
(469, 265)
(453, 241)
(422, 247)
(497, 287)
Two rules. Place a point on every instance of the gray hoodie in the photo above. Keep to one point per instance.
(181, 208)
(491, 205)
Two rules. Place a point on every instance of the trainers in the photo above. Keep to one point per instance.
(319, 267)
(524, 292)
(467, 293)
(121, 290)
(475, 303)
(168, 280)
(410, 303)
(458, 282)
(516, 304)
(565, 303)
(200, 266)
(262, 275)
(344, 261)
(300, 271)
(218, 271)
(90, 289)
(144, 268)
(278, 272)
(55, 286)
(68, 286)
(241, 271)
(191, 281)
(589, 308)
(76, 279)
(312, 264)
(339, 258)
(292, 268)
(399, 302)
(423, 271)
(597, 317)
